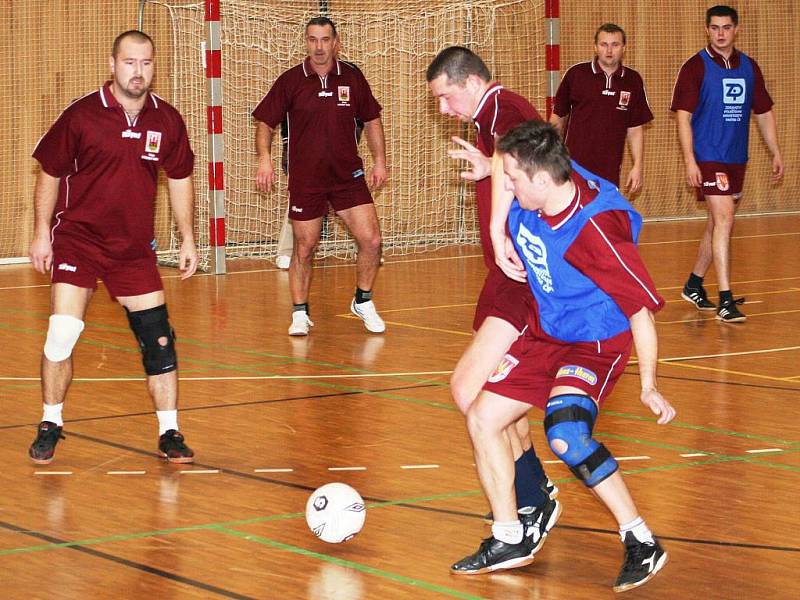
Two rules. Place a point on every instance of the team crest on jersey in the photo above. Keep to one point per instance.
(722, 182)
(578, 372)
(535, 254)
(153, 143)
(344, 93)
(624, 98)
(501, 371)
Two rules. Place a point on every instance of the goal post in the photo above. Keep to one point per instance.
(424, 205)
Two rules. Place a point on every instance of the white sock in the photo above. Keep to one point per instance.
(639, 529)
(52, 413)
(509, 532)
(167, 419)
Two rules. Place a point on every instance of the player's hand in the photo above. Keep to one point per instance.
(777, 167)
(187, 258)
(693, 176)
(660, 406)
(377, 177)
(506, 257)
(634, 183)
(265, 174)
(481, 164)
(41, 254)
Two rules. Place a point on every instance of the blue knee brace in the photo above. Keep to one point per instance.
(570, 418)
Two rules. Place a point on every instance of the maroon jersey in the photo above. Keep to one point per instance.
(601, 109)
(499, 111)
(686, 94)
(321, 111)
(604, 251)
(108, 167)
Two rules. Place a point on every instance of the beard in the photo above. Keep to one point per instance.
(134, 92)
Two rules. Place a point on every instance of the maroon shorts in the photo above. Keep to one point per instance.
(505, 299)
(722, 179)
(535, 365)
(82, 264)
(306, 205)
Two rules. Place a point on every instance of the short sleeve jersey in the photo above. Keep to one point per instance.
(108, 165)
(601, 109)
(321, 112)
(499, 111)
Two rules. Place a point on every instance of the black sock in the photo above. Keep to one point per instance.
(695, 282)
(302, 306)
(363, 295)
(527, 484)
(725, 296)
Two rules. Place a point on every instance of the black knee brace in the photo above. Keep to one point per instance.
(148, 326)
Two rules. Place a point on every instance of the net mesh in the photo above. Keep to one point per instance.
(424, 205)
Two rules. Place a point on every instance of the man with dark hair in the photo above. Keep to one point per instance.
(715, 92)
(593, 298)
(599, 105)
(93, 210)
(462, 85)
(322, 99)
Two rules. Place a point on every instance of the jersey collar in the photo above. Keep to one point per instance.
(308, 70)
(494, 88)
(731, 62)
(598, 70)
(110, 101)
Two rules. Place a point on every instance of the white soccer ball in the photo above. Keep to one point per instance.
(335, 512)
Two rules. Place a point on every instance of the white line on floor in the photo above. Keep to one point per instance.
(347, 468)
(273, 470)
(126, 472)
(200, 472)
(419, 466)
(52, 472)
(764, 450)
(694, 454)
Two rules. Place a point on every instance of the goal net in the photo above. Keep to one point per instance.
(425, 204)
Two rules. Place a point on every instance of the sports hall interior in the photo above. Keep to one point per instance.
(272, 417)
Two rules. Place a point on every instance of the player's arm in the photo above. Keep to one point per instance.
(45, 196)
(181, 198)
(265, 173)
(505, 255)
(685, 136)
(643, 328)
(559, 123)
(635, 137)
(376, 142)
(769, 131)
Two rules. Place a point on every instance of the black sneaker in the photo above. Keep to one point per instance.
(171, 447)
(44, 446)
(549, 488)
(494, 555)
(729, 313)
(538, 523)
(642, 561)
(698, 297)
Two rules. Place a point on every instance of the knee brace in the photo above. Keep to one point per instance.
(62, 335)
(570, 418)
(149, 326)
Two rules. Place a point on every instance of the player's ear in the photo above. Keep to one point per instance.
(111, 64)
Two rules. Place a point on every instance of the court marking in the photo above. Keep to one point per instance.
(52, 472)
(419, 466)
(273, 470)
(126, 472)
(199, 472)
(763, 450)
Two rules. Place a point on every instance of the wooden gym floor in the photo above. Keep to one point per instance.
(272, 417)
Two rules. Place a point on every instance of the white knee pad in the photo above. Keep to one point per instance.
(62, 335)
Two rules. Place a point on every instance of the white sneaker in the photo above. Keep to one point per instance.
(300, 323)
(367, 312)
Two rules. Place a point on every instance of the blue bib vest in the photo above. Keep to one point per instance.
(572, 307)
(721, 122)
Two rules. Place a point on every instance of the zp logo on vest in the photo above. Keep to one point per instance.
(733, 91)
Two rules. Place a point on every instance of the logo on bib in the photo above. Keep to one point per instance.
(535, 253)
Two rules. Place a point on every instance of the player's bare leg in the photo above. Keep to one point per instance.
(67, 306)
(722, 210)
(65, 299)
(362, 221)
(705, 254)
(306, 239)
